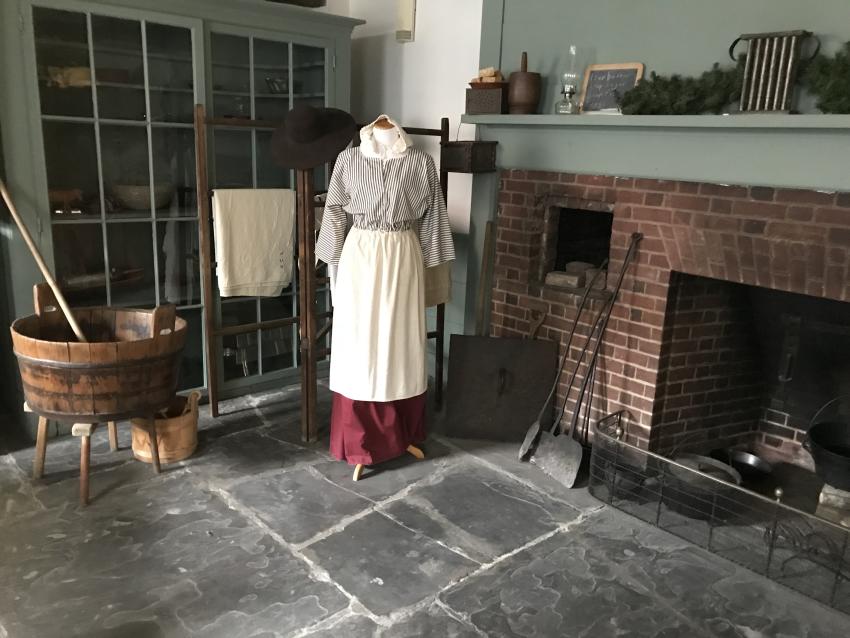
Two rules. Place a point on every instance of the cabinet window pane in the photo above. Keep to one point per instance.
(126, 173)
(240, 352)
(119, 69)
(131, 273)
(308, 64)
(78, 249)
(177, 255)
(71, 162)
(192, 362)
(269, 174)
(62, 55)
(271, 79)
(278, 342)
(174, 171)
(233, 166)
(231, 76)
(172, 95)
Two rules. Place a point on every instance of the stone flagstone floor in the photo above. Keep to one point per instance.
(260, 535)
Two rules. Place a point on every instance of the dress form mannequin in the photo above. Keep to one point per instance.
(386, 134)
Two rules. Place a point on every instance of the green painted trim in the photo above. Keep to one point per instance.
(258, 13)
(782, 122)
(492, 19)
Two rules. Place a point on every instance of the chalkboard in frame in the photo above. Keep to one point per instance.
(605, 83)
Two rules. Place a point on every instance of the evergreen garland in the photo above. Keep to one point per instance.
(828, 79)
(711, 92)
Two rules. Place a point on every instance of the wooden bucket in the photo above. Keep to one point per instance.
(129, 367)
(176, 432)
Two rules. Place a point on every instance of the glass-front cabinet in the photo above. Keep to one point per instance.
(116, 97)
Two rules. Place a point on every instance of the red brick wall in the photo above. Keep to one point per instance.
(710, 378)
(794, 240)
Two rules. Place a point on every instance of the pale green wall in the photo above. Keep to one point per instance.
(668, 36)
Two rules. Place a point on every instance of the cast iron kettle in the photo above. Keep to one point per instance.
(829, 444)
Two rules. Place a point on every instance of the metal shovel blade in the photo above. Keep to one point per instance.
(530, 439)
(559, 456)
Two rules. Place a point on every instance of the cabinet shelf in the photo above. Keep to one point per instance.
(278, 96)
(121, 217)
(79, 46)
(283, 68)
(76, 119)
(141, 87)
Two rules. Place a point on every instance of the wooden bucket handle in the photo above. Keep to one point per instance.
(43, 299)
(192, 403)
(164, 317)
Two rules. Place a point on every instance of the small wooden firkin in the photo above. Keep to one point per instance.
(176, 431)
(487, 101)
(468, 157)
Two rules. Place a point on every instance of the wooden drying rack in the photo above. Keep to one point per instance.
(307, 280)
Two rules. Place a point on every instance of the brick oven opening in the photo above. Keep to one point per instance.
(748, 365)
(583, 236)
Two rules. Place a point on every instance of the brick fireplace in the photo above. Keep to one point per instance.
(716, 312)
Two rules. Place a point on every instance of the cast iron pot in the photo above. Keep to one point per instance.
(689, 492)
(829, 444)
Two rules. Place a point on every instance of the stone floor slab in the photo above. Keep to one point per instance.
(354, 626)
(62, 459)
(503, 456)
(16, 497)
(297, 504)
(433, 621)
(241, 420)
(384, 480)
(480, 512)
(171, 560)
(557, 588)
(245, 454)
(386, 566)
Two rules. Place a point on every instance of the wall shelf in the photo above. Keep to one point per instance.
(785, 151)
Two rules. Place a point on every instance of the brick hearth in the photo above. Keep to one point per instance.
(787, 240)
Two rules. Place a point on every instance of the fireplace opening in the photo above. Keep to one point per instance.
(583, 236)
(748, 366)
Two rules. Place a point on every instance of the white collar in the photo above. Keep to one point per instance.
(370, 147)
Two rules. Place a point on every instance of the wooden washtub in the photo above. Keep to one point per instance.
(129, 368)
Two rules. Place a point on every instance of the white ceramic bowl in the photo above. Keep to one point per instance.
(136, 197)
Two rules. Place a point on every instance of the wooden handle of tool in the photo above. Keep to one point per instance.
(45, 271)
(524, 64)
(484, 279)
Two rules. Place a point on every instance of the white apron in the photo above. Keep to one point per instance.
(378, 339)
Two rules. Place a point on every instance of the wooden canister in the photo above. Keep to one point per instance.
(523, 89)
(176, 433)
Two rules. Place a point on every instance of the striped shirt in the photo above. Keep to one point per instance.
(400, 193)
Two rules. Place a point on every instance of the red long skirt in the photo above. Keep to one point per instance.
(370, 432)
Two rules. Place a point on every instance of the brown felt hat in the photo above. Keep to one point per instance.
(311, 136)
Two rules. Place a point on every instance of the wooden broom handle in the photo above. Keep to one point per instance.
(45, 271)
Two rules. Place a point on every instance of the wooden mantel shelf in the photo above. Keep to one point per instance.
(733, 121)
(786, 151)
